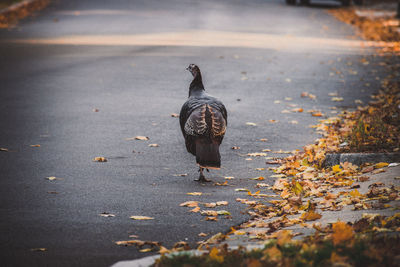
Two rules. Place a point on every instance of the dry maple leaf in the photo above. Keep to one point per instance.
(310, 216)
(100, 159)
(138, 217)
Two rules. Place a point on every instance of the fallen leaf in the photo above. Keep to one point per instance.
(317, 114)
(260, 169)
(146, 250)
(138, 217)
(153, 145)
(194, 193)
(251, 124)
(180, 174)
(260, 178)
(223, 212)
(35, 145)
(106, 214)
(213, 218)
(263, 139)
(174, 115)
(222, 203)
(2, 149)
(100, 159)
(222, 184)
(202, 234)
(310, 216)
(164, 250)
(294, 122)
(139, 137)
(189, 204)
(341, 232)
(51, 178)
(242, 190)
(337, 99)
(257, 154)
(235, 147)
(229, 177)
(196, 209)
(214, 255)
(288, 98)
(381, 165)
(39, 249)
(95, 110)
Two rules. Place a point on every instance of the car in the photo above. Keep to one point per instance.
(306, 2)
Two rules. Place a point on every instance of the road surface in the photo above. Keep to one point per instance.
(127, 59)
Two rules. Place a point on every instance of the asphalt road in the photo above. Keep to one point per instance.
(127, 59)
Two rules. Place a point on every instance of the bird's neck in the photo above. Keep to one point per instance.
(196, 86)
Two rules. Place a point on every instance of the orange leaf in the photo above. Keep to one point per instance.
(341, 232)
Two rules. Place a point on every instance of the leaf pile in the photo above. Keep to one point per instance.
(339, 244)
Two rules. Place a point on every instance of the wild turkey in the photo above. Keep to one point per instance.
(203, 121)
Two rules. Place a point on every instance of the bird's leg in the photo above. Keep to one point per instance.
(201, 177)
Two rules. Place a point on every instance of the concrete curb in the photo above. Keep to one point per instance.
(20, 10)
(360, 158)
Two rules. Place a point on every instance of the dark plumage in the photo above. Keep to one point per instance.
(203, 121)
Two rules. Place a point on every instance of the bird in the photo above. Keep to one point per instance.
(203, 120)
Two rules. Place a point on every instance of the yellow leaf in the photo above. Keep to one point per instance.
(251, 124)
(146, 250)
(355, 193)
(337, 99)
(202, 234)
(336, 168)
(194, 193)
(297, 188)
(141, 218)
(381, 165)
(51, 178)
(341, 232)
(163, 250)
(35, 145)
(214, 255)
(258, 178)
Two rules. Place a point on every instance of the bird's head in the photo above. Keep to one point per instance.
(194, 69)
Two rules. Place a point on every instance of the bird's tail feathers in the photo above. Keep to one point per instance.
(207, 154)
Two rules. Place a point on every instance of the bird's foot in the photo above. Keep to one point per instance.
(203, 179)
